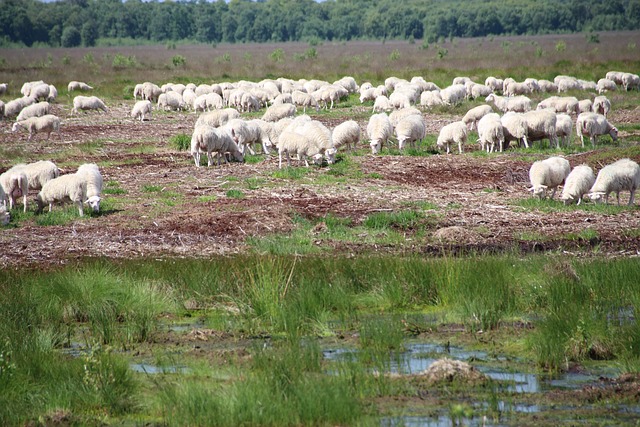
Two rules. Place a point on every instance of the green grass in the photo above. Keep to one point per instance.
(555, 205)
(235, 194)
(180, 142)
(113, 187)
(293, 173)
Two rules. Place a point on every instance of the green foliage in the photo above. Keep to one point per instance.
(561, 46)
(402, 220)
(88, 58)
(66, 60)
(395, 55)
(277, 55)
(178, 61)
(593, 38)
(235, 194)
(121, 61)
(442, 52)
(180, 142)
(70, 37)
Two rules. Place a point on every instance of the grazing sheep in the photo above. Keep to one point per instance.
(3, 88)
(547, 86)
(346, 133)
(517, 88)
(519, 104)
(141, 109)
(615, 76)
(630, 81)
(478, 91)
(248, 102)
(40, 91)
(320, 135)
(585, 106)
(568, 83)
(90, 173)
(564, 128)
(217, 118)
(349, 83)
(396, 116)
(379, 130)
(577, 184)
(541, 124)
(189, 97)
(151, 91)
(594, 125)
(560, 104)
(431, 99)
(304, 100)
(33, 110)
(47, 123)
(453, 95)
(618, 176)
(490, 133)
(601, 105)
(257, 133)
(367, 95)
(13, 107)
(66, 187)
(411, 129)
(382, 104)
(277, 112)
(74, 85)
(209, 139)
(38, 173)
(606, 85)
(87, 103)
(14, 183)
(399, 100)
(331, 94)
(453, 133)
(475, 114)
(290, 143)
(171, 101)
(514, 128)
(588, 85)
(494, 83)
(138, 91)
(283, 98)
(548, 174)
(239, 131)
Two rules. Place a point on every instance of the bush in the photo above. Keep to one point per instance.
(178, 61)
(121, 61)
(70, 37)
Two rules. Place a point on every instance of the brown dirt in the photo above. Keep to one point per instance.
(474, 194)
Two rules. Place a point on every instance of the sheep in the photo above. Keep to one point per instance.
(296, 143)
(490, 132)
(547, 86)
(399, 100)
(138, 91)
(38, 173)
(514, 128)
(304, 100)
(494, 83)
(74, 85)
(151, 91)
(519, 104)
(3, 88)
(217, 118)
(171, 101)
(475, 114)
(33, 110)
(453, 95)
(213, 101)
(621, 175)
(593, 125)
(478, 91)
(14, 183)
(630, 81)
(431, 99)
(548, 174)
(346, 133)
(517, 88)
(585, 106)
(66, 187)
(320, 135)
(411, 129)
(364, 87)
(601, 105)
(460, 80)
(277, 112)
(367, 95)
(588, 85)
(141, 109)
(331, 94)
(47, 123)
(189, 97)
(39, 91)
(258, 133)
(379, 130)
(564, 128)
(283, 98)
(239, 131)
(26, 87)
(577, 184)
(605, 85)
(248, 102)
(209, 139)
(382, 104)
(560, 104)
(396, 116)
(87, 103)
(5, 217)
(615, 76)
(13, 107)
(568, 83)
(541, 124)
(452, 133)
(90, 173)
(349, 83)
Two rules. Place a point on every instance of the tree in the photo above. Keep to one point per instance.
(89, 33)
(70, 37)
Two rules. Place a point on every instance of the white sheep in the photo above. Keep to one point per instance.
(47, 123)
(141, 110)
(494, 83)
(26, 86)
(411, 129)
(548, 174)
(217, 118)
(399, 100)
(171, 101)
(577, 184)
(618, 176)
(258, 134)
(519, 104)
(601, 105)
(138, 91)
(367, 95)
(87, 103)
(349, 83)
(66, 187)
(250, 102)
(585, 105)
(431, 99)
(514, 128)
(346, 133)
(290, 143)
(630, 81)
(379, 130)
(40, 91)
(454, 94)
(13, 107)
(476, 113)
(517, 88)
(38, 173)
(208, 139)
(541, 124)
(588, 85)
(594, 125)
(277, 112)
(189, 96)
(304, 100)
(564, 129)
(14, 183)
(490, 133)
(453, 133)
(382, 104)
(615, 76)
(397, 115)
(90, 173)
(283, 98)
(560, 104)
(320, 135)
(547, 86)
(478, 91)
(568, 83)
(331, 94)
(74, 85)
(33, 110)
(606, 85)
(151, 91)
(3, 88)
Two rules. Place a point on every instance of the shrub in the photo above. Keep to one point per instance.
(180, 142)
(178, 61)
(70, 37)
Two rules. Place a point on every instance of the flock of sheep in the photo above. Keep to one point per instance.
(220, 131)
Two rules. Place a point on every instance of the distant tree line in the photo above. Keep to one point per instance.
(83, 22)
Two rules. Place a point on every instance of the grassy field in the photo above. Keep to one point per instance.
(252, 295)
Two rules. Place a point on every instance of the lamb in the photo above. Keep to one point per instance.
(47, 123)
(411, 129)
(66, 187)
(382, 104)
(217, 118)
(621, 175)
(38, 173)
(304, 100)
(209, 139)
(519, 104)
(548, 174)
(577, 184)
(346, 133)
(295, 143)
(141, 109)
(564, 128)
(379, 130)
(593, 125)
(452, 133)
(601, 105)
(171, 101)
(560, 104)
(14, 183)
(90, 173)
(490, 132)
(475, 114)
(74, 85)
(431, 99)
(605, 85)
(453, 95)
(87, 103)
(277, 112)
(541, 124)
(33, 110)
(514, 128)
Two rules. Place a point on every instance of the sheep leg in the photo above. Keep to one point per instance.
(196, 158)
(253, 153)
(24, 201)
(633, 192)
(50, 206)
(209, 158)
(80, 208)
(279, 159)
